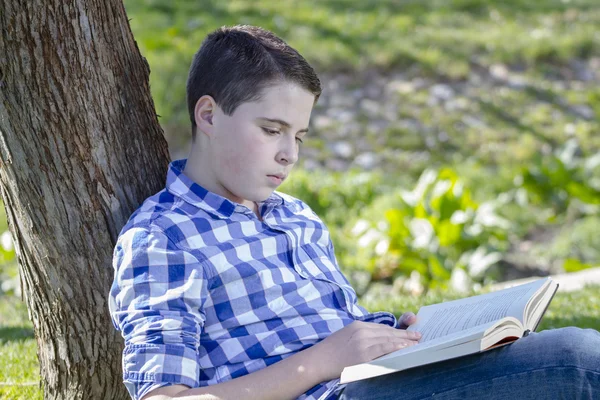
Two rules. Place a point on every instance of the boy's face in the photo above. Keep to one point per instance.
(253, 150)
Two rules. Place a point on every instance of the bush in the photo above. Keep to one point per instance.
(436, 229)
(334, 196)
(564, 179)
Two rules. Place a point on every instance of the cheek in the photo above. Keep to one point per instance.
(241, 154)
(240, 161)
(232, 163)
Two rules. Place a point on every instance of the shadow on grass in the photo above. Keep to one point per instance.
(15, 334)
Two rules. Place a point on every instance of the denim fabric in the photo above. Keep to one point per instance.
(553, 364)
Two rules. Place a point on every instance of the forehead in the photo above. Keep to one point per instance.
(286, 101)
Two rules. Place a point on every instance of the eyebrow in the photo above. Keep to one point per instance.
(281, 122)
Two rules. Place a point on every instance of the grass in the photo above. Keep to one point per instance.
(581, 308)
(19, 365)
(348, 34)
(440, 39)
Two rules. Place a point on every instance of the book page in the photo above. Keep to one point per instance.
(439, 320)
(538, 305)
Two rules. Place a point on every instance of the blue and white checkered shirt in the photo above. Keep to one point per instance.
(205, 292)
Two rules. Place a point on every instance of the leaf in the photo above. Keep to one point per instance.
(558, 173)
(420, 211)
(398, 232)
(583, 192)
(447, 207)
(437, 270)
(448, 233)
(574, 265)
(412, 263)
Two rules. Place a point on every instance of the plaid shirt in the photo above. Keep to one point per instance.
(205, 292)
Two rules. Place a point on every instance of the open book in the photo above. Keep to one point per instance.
(466, 326)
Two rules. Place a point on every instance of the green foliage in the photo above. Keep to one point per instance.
(334, 196)
(574, 265)
(441, 38)
(558, 180)
(434, 229)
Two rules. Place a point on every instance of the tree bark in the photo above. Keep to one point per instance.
(81, 148)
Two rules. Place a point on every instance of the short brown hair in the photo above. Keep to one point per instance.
(235, 64)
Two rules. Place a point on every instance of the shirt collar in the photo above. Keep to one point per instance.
(182, 186)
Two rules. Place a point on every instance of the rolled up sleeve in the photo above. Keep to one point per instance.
(156, 301)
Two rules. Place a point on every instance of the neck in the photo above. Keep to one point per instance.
(199, 173)
(198, 169)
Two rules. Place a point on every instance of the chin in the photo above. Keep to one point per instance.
(264, 195)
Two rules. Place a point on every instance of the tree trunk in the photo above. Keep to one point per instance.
(81, 148)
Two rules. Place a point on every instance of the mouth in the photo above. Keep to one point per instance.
(277, 179)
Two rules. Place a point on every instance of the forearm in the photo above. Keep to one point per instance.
(286, 379)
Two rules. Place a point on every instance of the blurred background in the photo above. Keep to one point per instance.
(456, 143)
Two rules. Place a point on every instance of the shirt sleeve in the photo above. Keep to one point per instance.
(156, 301)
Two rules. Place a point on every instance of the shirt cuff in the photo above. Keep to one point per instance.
(158, 364)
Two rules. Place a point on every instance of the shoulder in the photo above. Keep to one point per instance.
(151, 209)
(165, 214)
(148, 250)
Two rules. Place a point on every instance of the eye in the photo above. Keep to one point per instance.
(270, 131)
(299, 140)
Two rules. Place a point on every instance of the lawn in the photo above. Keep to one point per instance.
(19, 366)
(439, 40)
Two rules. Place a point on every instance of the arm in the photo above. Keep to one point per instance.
(287, 379)
(294, 375)
(157, 302)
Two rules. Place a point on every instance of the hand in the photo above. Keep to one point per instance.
(407, 319)
(357, 343)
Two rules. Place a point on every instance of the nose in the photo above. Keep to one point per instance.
(288, 153)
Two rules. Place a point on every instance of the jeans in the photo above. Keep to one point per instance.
(553, 364)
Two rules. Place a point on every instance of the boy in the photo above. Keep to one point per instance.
(224, 287)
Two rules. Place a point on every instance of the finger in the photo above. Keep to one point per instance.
(389, 345)
(385, 339)
(408, 335)
(407, 319)
(379, 349)
(401, 333)
(394, 334)
(380, 331)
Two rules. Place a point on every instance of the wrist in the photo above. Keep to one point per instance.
(318, 366)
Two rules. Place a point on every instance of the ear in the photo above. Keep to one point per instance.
(204, 114)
